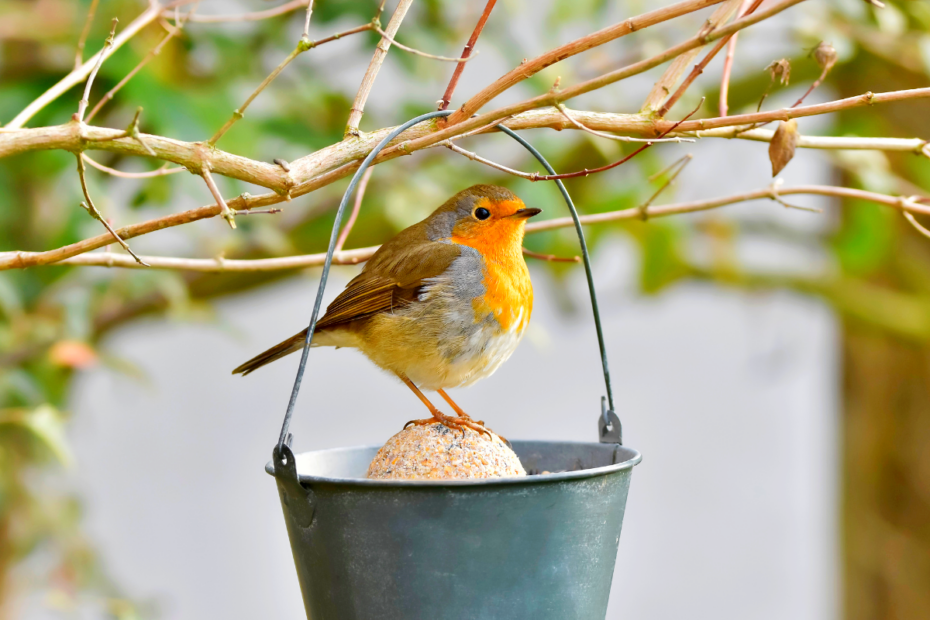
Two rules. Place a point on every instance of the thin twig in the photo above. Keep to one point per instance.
(306, 34)
(133, 132)
(611, 136)
(82, 106)
(699, 68)
(302, 46)
(132, 175)
(174, 31)
(238, 113)
(358, 106)
(79, 54)
(595, 39)
(552, 258)
(338, 160)
(466, 53)
(258, 211)
(678, 165)
(359, 195)
(586, 172)
(728, 63)
(246, 17)
(535, 176)
(21, 260)
(663, 87)
(920, 228)
(225, 211)
(78, 75)
(532, 176)
(417, 52)
(13, 260)
(817, 82)
(774, 195)
(552, 98)
(91, 208)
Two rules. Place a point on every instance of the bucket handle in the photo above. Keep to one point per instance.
(608, 423)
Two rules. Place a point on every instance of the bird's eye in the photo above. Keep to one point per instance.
(482, 214)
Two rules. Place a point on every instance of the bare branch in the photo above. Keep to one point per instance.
(359, 196)
(302, 46)
(728, 63)
(12, 260)
(91, 208)
(535, 176)
(663, 87)
(699, 68)
(131, 175)
(466, 53)
(358, 106)
(611, 136)
(676, 167)
(247, 17)
(78, 75)
(306, 34)
(82, 106)
(79, 54)
(172, 32)
(417, 52)
(534, 66)
(811, 110)
(920, 228)
(553, 98)
(334, 162)
(552, 258)
(225, 211)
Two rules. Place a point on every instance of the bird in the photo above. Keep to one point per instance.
(440, 305)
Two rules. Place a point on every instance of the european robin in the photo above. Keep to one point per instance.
(441, 305)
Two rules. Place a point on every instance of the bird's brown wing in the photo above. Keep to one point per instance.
(389, 279)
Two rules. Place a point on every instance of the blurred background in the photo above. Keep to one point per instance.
(772, 365)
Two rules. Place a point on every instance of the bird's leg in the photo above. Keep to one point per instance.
(465, 416)
(438, 416)
(457, 409)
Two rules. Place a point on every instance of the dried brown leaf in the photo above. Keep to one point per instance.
(780, 70)
(783, 144)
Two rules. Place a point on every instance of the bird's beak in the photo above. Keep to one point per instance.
(526, 213)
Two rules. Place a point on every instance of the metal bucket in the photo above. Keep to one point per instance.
(538, 547)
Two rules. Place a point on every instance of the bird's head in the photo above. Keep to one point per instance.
(486, 217)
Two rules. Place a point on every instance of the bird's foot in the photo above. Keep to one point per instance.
(456, 424)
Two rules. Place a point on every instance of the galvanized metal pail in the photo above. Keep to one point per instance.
(538, 547)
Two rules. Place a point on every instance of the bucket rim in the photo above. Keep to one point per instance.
(635, 459)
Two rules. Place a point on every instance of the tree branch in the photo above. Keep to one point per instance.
(417, 52)
(91, 208)
(466, 53)
(728, 63)
(78, 75)
(247, 17)
(663, 87)
(699, 68)
(358, 106)
(534, 66)
(145, 60)
(225, 211)
(79, 53)
(218, 265)
(85, 100)
(359, 196)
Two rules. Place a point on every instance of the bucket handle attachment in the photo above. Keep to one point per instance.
(609, 422)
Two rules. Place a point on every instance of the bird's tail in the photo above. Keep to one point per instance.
(292, 344)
